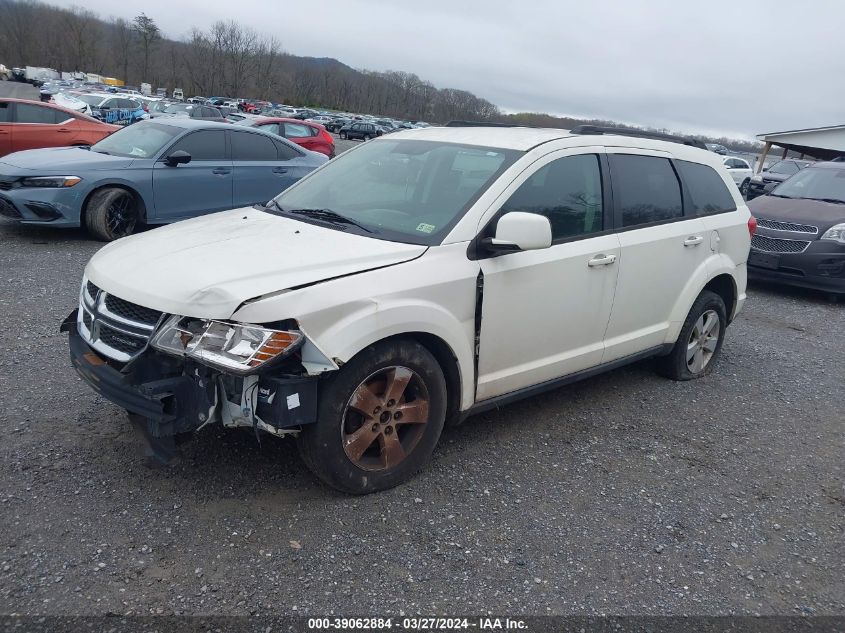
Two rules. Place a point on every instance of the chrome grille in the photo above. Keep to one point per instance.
(777, 245)
(113, 326)
(775, 225)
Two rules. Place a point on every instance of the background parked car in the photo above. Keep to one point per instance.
(153, 172)
(364, 131)
(800, 238)
(773, 176)
(311, 136)
(715, 147)
(740, 171)
(113, 108)
(32, 124)
(189, 110)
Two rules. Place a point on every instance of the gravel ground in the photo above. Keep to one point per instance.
(626, 493)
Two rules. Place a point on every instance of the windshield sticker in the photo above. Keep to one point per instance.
(425, 228)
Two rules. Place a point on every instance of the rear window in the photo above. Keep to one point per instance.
(5, 110)
(707, 191)
(647, 188)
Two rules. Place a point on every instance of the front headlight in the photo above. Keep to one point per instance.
(835, 233)
(234, 347)
(53, 182)
(756, 178)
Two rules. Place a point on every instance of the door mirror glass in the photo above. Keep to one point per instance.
(520, 231)
(179, 157)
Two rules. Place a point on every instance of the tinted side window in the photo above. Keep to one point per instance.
(5, 112)
(568, 191)
(246, 146)
(28, 113)
(286, 152)
(647, 188)
(204, 145)
(707, 191)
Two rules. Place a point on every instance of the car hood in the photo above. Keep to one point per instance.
(64, 159)
(208, 266)
(798, 210)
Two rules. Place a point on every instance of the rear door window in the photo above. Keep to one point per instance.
(286, 152)
(707, 191)
(647, 189)
(253, 147)
(297, 130)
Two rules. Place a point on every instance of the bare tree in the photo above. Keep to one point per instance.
(148, 35)
(121, 45)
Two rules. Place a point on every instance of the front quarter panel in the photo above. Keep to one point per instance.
(433, 294)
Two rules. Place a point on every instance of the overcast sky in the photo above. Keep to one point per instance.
(738, 67)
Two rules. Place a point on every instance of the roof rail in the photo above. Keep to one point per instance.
(623, 131)
(478, 124)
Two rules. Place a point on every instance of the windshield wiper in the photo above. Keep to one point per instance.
(777, 195)
(327, 215)
(831, 200)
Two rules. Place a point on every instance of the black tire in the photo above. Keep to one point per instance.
(111, 213)
(342, 135)
(324, 445)
(743, 188)
(366, 137)
(677, 365)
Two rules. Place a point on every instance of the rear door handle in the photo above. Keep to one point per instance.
(63, 129)
(693, 240)
(280, 170)
(221, 171)
(601, 260)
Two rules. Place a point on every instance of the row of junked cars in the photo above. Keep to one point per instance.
(361, 303)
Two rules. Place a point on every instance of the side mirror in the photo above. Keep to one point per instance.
(179, 157)
(765, 169)
(520, 231)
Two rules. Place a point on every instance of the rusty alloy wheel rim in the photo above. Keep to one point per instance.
(385, 418)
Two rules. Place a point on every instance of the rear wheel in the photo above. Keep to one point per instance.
(111, 213)
(379, 419)
(699, 342)
(366, 137)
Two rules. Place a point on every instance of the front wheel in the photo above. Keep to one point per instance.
(379, 419)
(699, 342)
(342, 135)
(111, 213)
(743, 188)
(366, 137)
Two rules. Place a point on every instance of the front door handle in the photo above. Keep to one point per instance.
(221, 171)
(693, 240)
(601, 260)
(63, 129)
(280, 170)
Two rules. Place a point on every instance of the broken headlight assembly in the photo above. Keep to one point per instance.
(238, 348)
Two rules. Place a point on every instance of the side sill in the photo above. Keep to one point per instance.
(528, 392)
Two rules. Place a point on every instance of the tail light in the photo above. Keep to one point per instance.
(325, 134)
(752, 226)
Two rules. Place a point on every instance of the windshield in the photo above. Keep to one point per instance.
(174, 108)
(784, 167)
(403, 190)
(824, 183)
(93, 100)
(142, 140)
(158, 106)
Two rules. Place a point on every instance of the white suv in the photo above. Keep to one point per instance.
(414, 281)
(740, 172)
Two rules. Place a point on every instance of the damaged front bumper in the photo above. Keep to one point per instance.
(176, 396)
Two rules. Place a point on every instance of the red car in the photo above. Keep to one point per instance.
(309, 135)
(33, 124)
